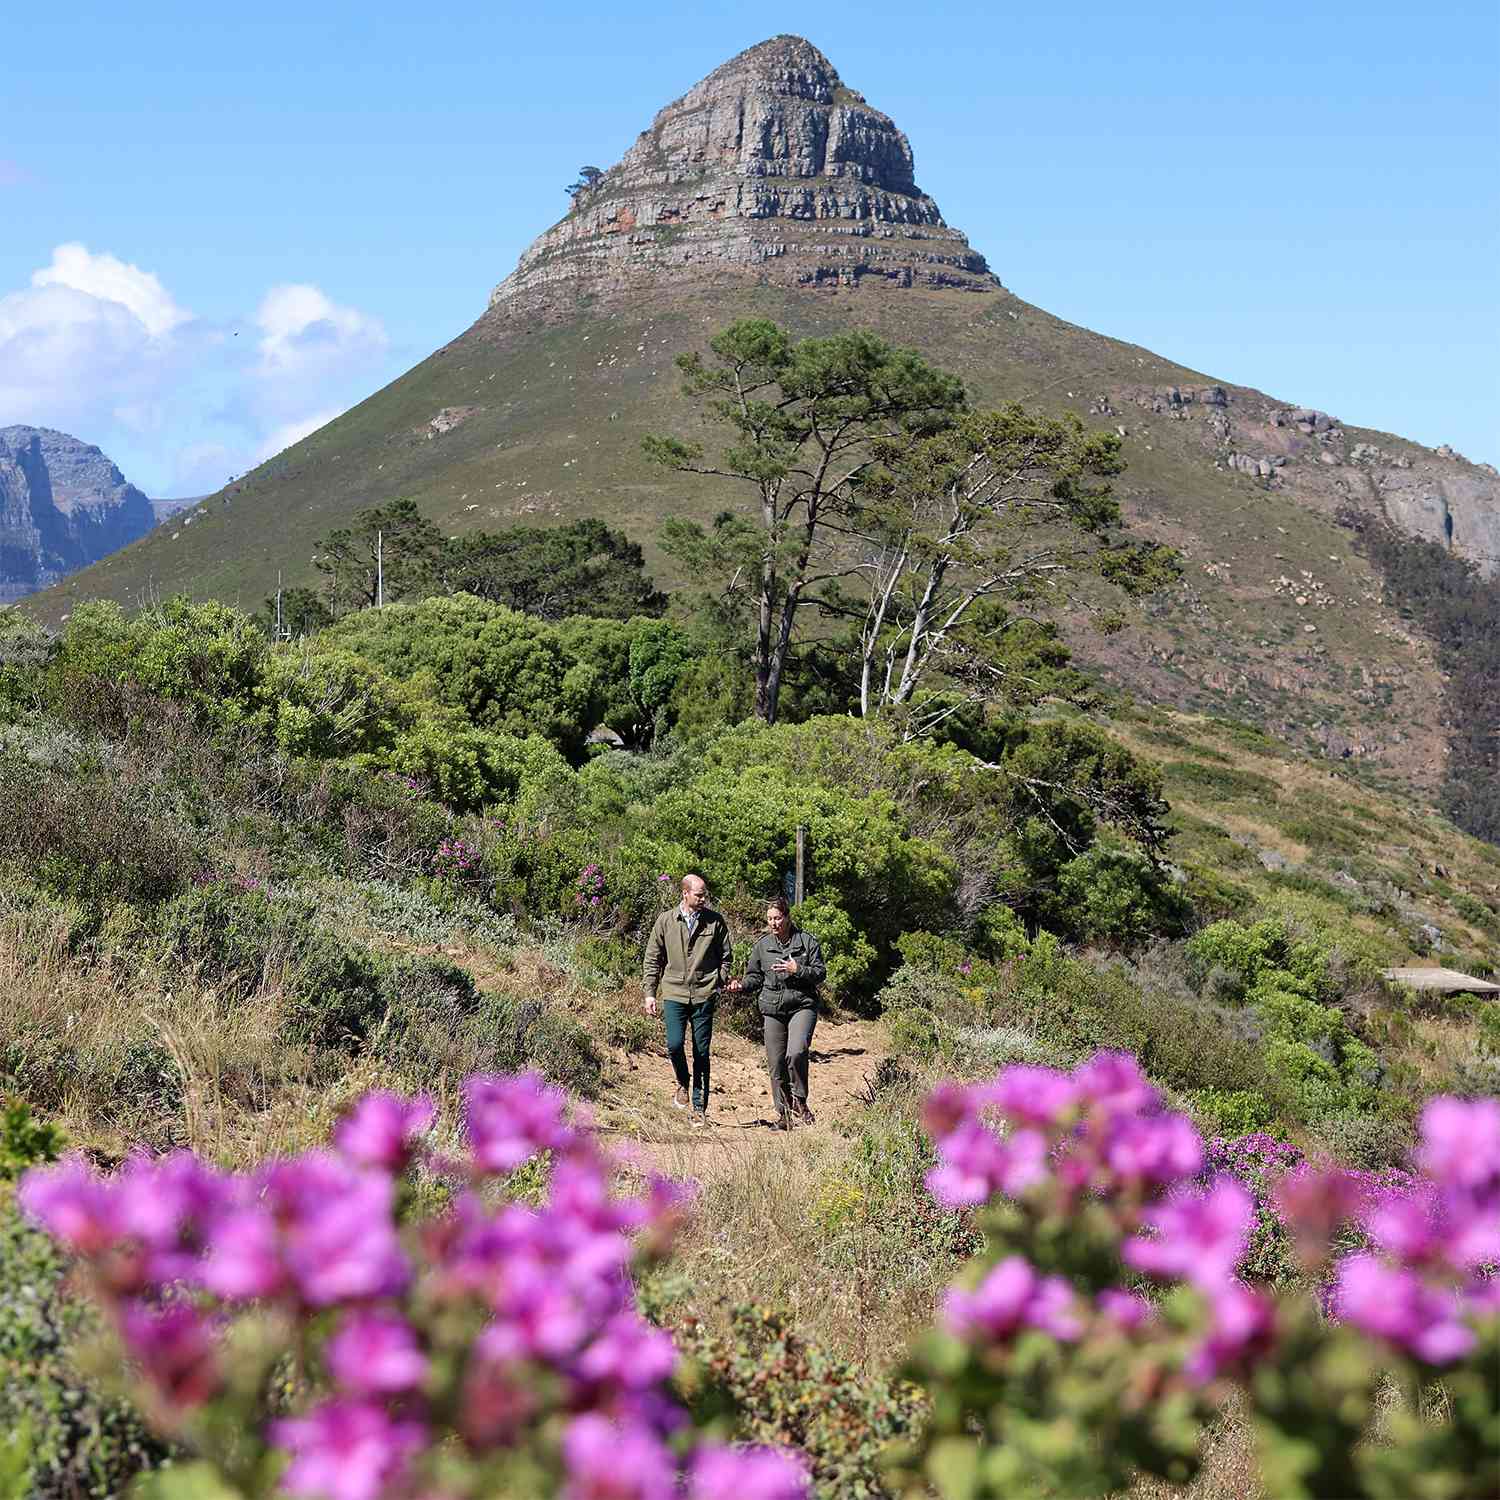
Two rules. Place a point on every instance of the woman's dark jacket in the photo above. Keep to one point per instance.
(782, 994)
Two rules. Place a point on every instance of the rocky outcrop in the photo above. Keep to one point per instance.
(63, 505)
(769, 167)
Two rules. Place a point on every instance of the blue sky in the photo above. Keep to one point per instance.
(218, 228)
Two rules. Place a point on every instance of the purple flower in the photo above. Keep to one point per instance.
(1054, 1309)
(1199, 1238)
(945, 1108)
(628, 1353)
(745, 1474)
(376, 1354)
(605, 1462)
(1461, 1142)
(1126, 1310)
(72, 1203)
(1406, 1226)
(346, 1450)
(1160, 1150)
(509, 1120)
(975, 1163)
(1396, 1305)
(244, 1260)
(382, 1128)
(339, 1233)
(167, 1204)
(1010, 1297)
(1034, 1096)
(1114, 1081)
(536, 1317)
(1242, 1325)
(174, 1346)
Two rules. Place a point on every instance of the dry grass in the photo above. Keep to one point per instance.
(120, 1058)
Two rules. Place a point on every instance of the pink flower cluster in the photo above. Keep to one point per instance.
(489, 1328)
(1101, 1135)
(454, 858)
(1425, 1279)
(588, 889)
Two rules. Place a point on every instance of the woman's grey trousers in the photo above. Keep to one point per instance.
(787, 1041)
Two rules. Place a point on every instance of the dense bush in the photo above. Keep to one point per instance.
(789, 1393)
(79, 1442)
(1288, 985)
(91, 835)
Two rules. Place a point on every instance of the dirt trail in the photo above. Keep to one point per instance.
(636, 1105)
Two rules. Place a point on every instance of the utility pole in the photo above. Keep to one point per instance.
(379, 570)
(279, 635)
(797, 887)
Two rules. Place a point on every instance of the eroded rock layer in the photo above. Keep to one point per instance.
(769, 166)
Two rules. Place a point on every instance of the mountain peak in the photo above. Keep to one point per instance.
(769, 167)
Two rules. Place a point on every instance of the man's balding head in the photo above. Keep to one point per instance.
(694, 892)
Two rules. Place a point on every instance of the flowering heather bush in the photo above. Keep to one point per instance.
(291, 1329)
(1110, 1318)
(588, 889)
(455, 860)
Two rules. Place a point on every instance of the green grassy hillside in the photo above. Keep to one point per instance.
(1276, 618)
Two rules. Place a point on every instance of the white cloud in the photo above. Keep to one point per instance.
(101, 348)
(69, 358)
(113, 281)
(302, 330)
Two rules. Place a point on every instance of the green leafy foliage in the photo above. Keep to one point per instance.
(788, 1393)
(583, 568)
(1288, 983)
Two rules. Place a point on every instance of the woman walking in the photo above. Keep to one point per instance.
(785, 968)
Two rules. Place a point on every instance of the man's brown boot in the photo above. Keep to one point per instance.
(803, 1113)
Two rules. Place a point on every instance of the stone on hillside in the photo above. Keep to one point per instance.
(1271, 860)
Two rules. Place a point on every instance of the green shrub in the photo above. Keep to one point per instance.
(88, 837)
(505, 670)
(1119, 897)
(24, 1141)
(1230, 1112)
(1327, 832)
(788, 1393)
(1286, 983)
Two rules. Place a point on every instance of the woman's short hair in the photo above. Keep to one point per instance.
(779, 903)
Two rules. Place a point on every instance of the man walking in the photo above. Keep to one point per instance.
(687, 963)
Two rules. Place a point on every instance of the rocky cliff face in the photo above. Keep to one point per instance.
(769, 167)
(63, 505)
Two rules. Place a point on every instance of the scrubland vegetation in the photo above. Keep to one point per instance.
(245, 881)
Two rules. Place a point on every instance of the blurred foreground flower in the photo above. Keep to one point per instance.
(1052, 1374)
(492, 1349)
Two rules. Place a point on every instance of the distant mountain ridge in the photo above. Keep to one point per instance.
(772, 189)
(63, 505)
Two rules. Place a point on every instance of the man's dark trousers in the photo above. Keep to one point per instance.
(700, 1016)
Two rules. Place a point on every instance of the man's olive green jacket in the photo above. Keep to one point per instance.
(677, 969)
